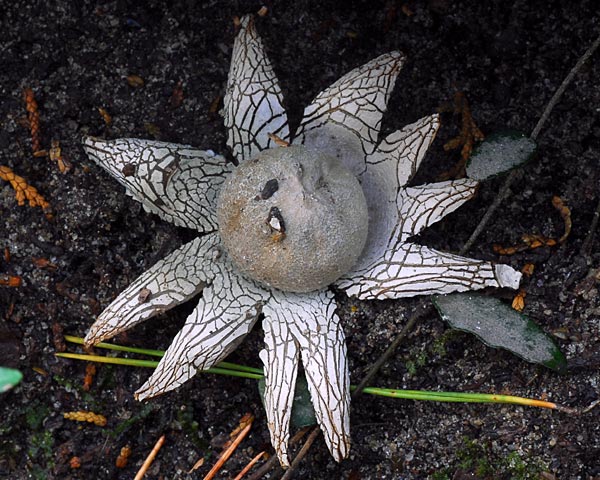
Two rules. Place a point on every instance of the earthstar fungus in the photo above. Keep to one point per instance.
(263, 254)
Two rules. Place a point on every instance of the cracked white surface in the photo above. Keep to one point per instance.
(171, 281)
(306, 325)
(177, 182)
(344, 120)
(227, 311)
(253, 102)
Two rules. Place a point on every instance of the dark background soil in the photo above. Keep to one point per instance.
(508, 57)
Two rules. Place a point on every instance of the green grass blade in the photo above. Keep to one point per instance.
(254, 373)
(134, 362)
(461, 397)
(130, 362)
(158, 353)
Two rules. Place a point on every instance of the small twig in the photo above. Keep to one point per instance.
(33, 116)
(265, 468)
(563, 86)
(591, 406)
(273, 461)
(227, 453)
(534, 134)
(586, 248)
(578, 411)
(150, 458)
(303, 451)
(250, 464)
(423, 308)
(490, 211)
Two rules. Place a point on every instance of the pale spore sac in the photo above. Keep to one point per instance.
(306, 227)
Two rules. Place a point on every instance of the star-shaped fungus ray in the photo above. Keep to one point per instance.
(306, 325)
(170, 282)
(253, 102)
(389, 168)
(344, 120)
(181, 185)
(227, 311)
(177, 182)
(392, 267)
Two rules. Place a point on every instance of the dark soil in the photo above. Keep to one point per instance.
(508, 58)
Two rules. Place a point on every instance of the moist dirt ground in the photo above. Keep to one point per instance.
(128, 58)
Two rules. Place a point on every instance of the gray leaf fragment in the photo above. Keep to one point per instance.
(499, 325)
(500, 153)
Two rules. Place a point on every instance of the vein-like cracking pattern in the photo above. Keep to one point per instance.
(177, 182)
(169, 282)
(180, 184)
(224, 315)
(407, 269)
(355, 103)
(280, 358)
(389, 168)
(390, 267)
(253, 103)
(422, 206)
(310, 322)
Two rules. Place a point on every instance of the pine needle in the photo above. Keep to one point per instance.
(235, 370)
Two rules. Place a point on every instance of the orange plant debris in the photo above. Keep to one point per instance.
(150, 458)
(530, 241)
(237, 435)
(90, 371)
(105, 115)
(280, 142)
(469, 134)
(565, 213)
(518, 302)
(82, 416)
(527, 269)
(250, 464)
(23, 191)
(44, 263)
(55, 154)
(10, 281)
(123, 457)
(33, 116)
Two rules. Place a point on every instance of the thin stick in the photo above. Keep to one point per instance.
(422, 309)
(251, 463)
(586, 248)
(303, 451)
(271, 462)
(534, 134)
(227, 453)
(150, 458)
(502, 194)
(563, 86)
